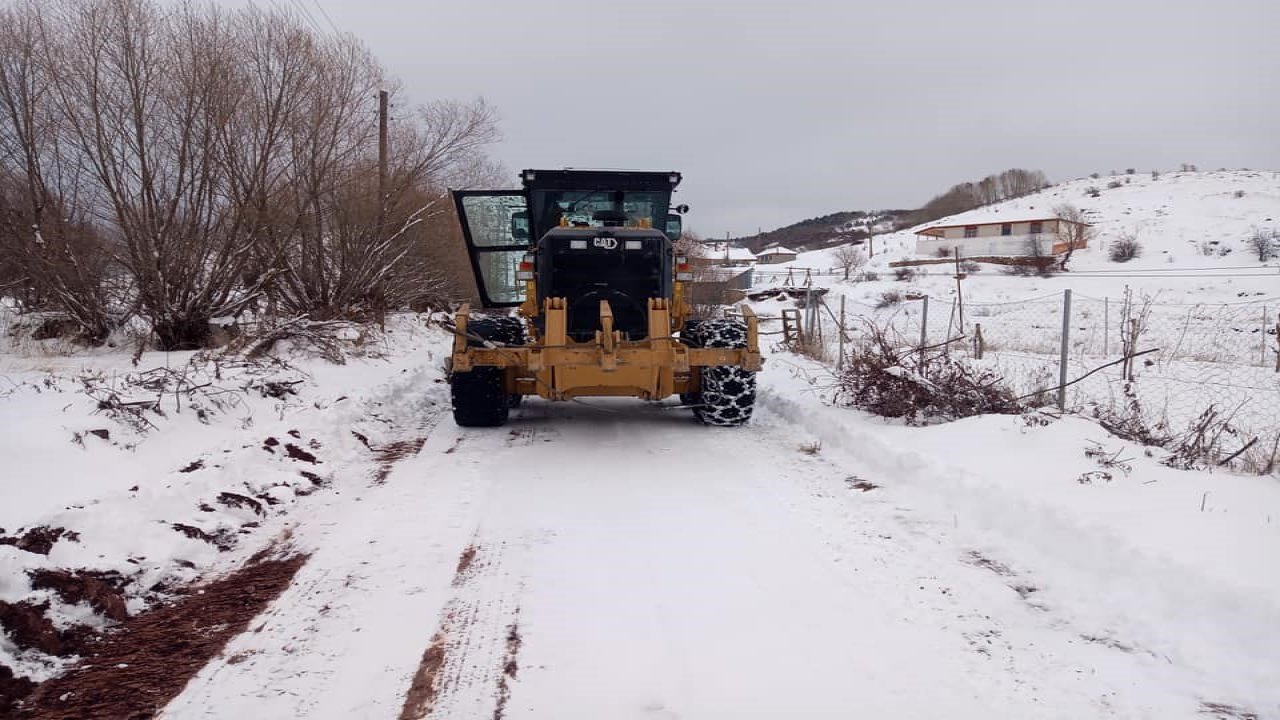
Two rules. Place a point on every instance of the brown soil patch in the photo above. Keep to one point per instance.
(388, 455)
(425, 687)
(1025, 591)
(103, 591)
(39, 540)
(296, 453)
(224, 540)
(1107, 642)
(422, 691)
(29, 627)
(857, 483)
(134, 671)
(465, 560)
(977, 559)
(236, 500)
(12, 689)
(434, 677)
(1223, 711)
(510, 667)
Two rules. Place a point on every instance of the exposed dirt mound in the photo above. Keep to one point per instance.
(12, 689)
(29, 628)
(236, 500)
(104, 591)
(135, 671)
(296, 453)
(222, 539)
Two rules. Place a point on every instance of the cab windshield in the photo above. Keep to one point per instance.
(578, 208)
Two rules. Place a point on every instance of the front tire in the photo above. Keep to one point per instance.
(479, 397)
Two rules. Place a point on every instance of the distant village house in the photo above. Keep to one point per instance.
(722, 254)
(775, 254)
(1044, 236)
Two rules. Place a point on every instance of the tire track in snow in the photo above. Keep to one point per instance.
(381, 553)
(466, 670)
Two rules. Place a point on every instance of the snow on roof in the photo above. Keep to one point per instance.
(993, 220)
(779, 250)
(719, 250)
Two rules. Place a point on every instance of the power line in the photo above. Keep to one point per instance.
(326, 17)
(306, 15)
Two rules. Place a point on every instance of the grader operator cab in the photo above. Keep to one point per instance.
(587, 257)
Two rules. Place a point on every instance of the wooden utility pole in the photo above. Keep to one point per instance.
(382, 160)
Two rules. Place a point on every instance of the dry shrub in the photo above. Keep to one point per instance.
(1129, 421)
(878, 378)
(1209, 440)
(1125, 248)
(889, 298)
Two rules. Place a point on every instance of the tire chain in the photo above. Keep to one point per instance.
(728, 392)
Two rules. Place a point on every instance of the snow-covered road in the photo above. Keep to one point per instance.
(615, 560)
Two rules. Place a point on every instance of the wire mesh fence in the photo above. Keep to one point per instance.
(1171, 368)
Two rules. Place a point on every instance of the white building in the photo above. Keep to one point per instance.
(725, 255)
(977, 238)
(775, 254)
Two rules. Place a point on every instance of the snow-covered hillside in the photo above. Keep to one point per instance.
(1189, 224)
(1205, 305)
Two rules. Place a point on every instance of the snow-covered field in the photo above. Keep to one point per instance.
(614, 559)
(1208, 305)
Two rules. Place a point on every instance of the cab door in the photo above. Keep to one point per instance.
(495, 225)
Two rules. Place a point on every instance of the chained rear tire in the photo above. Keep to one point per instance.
(480, 398)
(728, 393)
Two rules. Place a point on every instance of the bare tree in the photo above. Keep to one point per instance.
(146, 95)
(51, 256)
(849, 258)
(1265, 245)
(989, 190)
(1072, 231)
(212, 159)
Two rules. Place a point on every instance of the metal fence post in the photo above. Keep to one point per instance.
(1264, 336)
(924, 322)
(1062, 361)
(840, 360)
(1106, 327)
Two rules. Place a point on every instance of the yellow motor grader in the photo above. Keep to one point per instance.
(587, 258)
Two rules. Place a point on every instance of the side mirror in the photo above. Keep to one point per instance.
(520, 225)
(673, 228)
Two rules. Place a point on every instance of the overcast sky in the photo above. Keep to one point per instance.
(780, 111)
